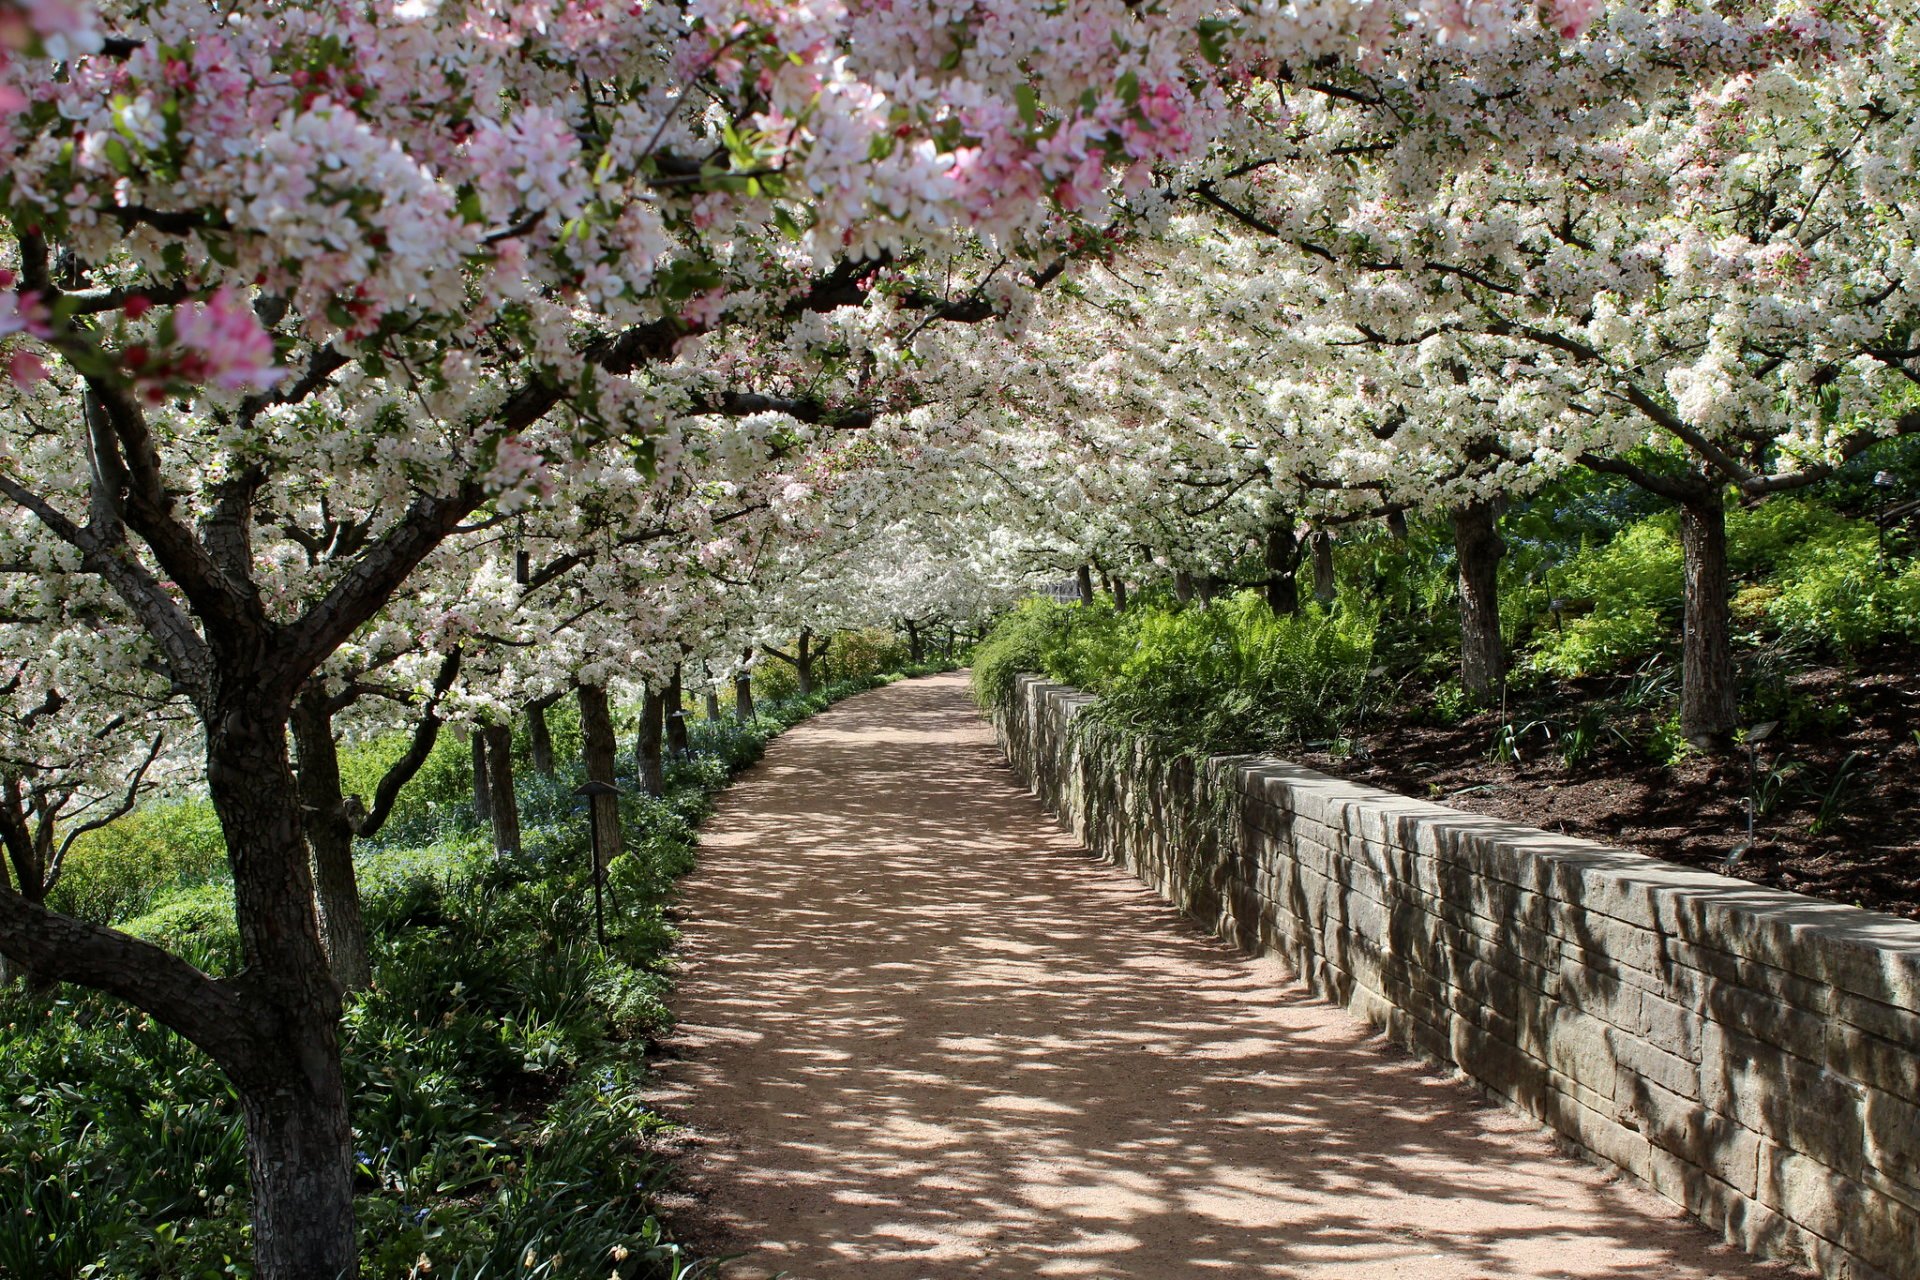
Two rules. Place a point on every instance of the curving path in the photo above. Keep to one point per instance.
(923, 1034)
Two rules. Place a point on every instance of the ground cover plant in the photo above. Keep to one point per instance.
(495, 1064)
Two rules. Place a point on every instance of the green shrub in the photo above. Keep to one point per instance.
(120, 870)
(1228, 676)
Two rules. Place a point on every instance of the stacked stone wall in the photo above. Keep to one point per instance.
(1751, 1054)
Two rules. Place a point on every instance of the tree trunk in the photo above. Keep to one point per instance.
(1083, 577)
(1397, 525)
(743, 687)
(506, 807)
(1478, 546)
(1183, 586)
(712, 707)
(646, 747)
(677, 716)
(539, 736)
(803, 662)
(1119, 595)
(292, 1093)
(1282, 561)
(1709, 700)
(1325, 589)
(916, 647)
(336, 889)
(598, 750)
(482, 790)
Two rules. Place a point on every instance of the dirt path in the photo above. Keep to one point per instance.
(925, 1035)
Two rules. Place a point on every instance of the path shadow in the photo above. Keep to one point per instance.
(924, 1034)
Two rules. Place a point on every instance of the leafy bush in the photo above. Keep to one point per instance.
(120, 870)
(1228, 676)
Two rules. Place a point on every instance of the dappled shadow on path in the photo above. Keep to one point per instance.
(924, 1034)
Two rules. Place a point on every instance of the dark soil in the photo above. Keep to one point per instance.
(1836, 782)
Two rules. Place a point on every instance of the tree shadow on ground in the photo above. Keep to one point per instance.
(925, 1034)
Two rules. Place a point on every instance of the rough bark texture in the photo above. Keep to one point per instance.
(649, 766)
(506, 807)
(916, 647)
(1182, 586)
(289, 1078)
(677, 741)
(1478, 547)
(598, 750)
(1709, 700)
(482, 788)
(539, 736)
(1325, 589)
(1282, 555)
(743, 687)
(1119, 595)
(712, 704)
(1083, 578)
(336, 889)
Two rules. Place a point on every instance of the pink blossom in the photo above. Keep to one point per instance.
(1571, 17)
(222, 344)
(26, 369)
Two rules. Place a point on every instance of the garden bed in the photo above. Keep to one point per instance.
(1836, 784)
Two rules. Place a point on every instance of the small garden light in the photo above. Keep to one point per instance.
(597, 794)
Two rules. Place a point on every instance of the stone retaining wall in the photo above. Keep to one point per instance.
(1752, 1054)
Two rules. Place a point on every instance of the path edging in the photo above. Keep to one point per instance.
(1751, 1054)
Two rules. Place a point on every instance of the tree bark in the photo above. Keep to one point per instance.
(712, 707)
(539, 736)
(598, 751)
(677, 715)
(743, 687)
(289, 1078)
(1083, 578)
(1478, 547)
(482, 790)
(916, 647)
(1282, 563)
(506, 806)
(648, 765)
(336, 888)
(1183, 586)
(1709, 699)
(1119, 595)
(1325, 589)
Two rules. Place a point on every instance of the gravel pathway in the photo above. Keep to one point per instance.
(923, 1034)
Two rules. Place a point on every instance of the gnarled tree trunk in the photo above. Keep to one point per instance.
(1282, 556)
(539, 736)
(677, 715)
(648, 764)
(336, 896)
(1083, 578)
(916, 647)
(287, 1072)
(506, 807)
(482, 786)
(743, 687)
(598, 751)
(1325, 589)
(1478, 547)
(1709, 699)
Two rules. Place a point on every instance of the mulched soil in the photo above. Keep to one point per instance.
(1839, 799)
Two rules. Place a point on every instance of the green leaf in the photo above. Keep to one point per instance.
(1128, 88)
(1213, 39)
(1028, 104)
